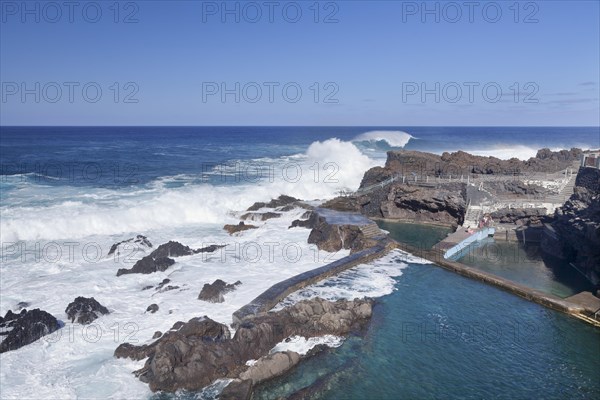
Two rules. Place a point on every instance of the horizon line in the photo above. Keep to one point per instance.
(299, 126)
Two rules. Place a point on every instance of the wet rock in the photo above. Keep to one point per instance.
(176, 249)
(84, 310)
(138, 242)
(318, 349)
(237, 390)
(201, 350)
(209, 249)
(163, 287)
(214, 292)
(167, 288)
(148, 265)
(163, 283)
(152, 308)
(281, 201)
(10, 316)
(177, 325)
(231, 229)
(289, 207)
(22, 329)
(159, 259)
(196, 329)
(128, 350)
(254, 216)
(332, 238)
(308, 220)
(171, 249)
(271, 366)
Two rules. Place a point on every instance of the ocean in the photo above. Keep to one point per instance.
(68, 193)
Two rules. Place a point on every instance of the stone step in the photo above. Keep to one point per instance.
(371, 230)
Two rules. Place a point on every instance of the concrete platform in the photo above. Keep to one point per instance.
(452, 239)
(574, 305)
(269, 298)
(587, 301)
(343, 218)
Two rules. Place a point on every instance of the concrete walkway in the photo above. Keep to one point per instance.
(576, 306)
(269, 298)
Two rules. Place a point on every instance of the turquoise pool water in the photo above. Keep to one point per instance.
(440, 335)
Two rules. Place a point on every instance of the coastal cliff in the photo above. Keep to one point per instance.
(433, 189)
(577, 226)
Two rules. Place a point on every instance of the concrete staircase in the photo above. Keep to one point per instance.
(565, 192)
(371, 231)
(472, 217)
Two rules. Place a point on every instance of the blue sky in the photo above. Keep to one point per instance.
(355, 62)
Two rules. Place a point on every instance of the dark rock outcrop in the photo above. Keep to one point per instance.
(521, 216)
(350, 204)
(577, 225)
(152, 308)
(84, 310)
(213, 292)
(281, 201)
(159, 259)
(176, 249)
(25, 328)
(441, 201)
(443, 205)
(202, 351)
(332, 238)
(308, 220)
(210, 249)
(255, 216)
(516, 189)
(139, 241)
(237, 390)
(163, 287)
(157, 334)
(148, 265)
(171, 249)
(462, 163)
(270, 366)
(231, 229)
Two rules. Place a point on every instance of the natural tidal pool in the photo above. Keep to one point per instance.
(440, 335)
(523, 264)
(420, 236)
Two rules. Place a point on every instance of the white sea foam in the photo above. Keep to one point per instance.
(67, 365)
(78, 362)
(302, 345)
(365, 280)
(392, 138)
(326, 168)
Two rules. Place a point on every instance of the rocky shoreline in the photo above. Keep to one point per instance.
(573, 235)
(199, 352)
(195, 354)
(520, 196)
